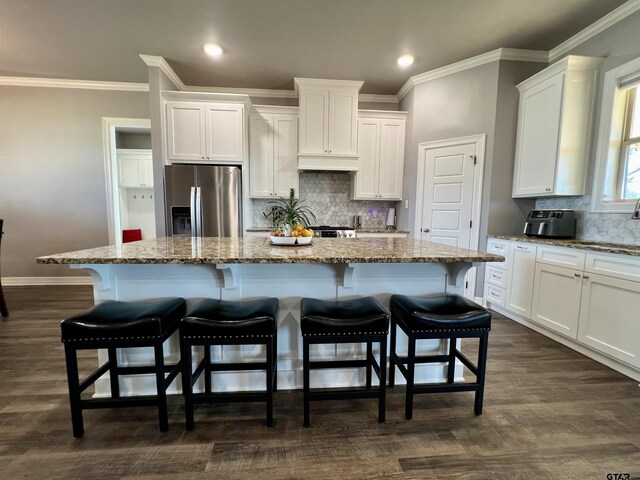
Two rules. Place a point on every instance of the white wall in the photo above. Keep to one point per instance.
(52, 177)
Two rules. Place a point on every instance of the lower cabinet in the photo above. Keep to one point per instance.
(522, 262)
(592, 299)
(556, 299)
(610, 318)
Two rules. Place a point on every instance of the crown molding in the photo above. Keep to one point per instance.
(320, 82)
(161, 63)
(252, 92)
(81, 84)
(513, 54)
(595, 28)
(374, 98)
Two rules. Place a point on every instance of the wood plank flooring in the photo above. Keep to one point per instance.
(549, 413)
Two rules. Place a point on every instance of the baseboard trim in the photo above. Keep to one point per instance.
(30, 281)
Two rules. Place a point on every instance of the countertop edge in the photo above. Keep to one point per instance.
(592, 246)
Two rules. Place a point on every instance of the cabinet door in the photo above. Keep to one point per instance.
(366, 178)
(391, 159)
(522, 259)
(146, 170)
(224, 133)
(129, 170)
(343, 115)
(285, 155)
(609, 320)
(185, 131)
(539, 123)
(260, 155)
(556, 299)
(314, 120)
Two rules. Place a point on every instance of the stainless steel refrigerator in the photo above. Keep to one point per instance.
(203, 200)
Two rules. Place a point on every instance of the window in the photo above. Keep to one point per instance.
(616, 185)
(629, 180)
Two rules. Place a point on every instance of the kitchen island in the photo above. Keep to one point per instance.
(250, 268)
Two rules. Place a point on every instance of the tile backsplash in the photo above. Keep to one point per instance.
(328, 195)
(604, 227)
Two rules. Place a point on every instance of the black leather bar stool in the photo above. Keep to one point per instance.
(439, 317)
(220, 322)
(113, 325)
(362, 320)
(4, 311)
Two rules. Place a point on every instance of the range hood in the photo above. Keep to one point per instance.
(340, 163)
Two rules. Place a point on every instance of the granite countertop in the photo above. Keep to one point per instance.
(606, 247)
(214, 250)
(362, 230)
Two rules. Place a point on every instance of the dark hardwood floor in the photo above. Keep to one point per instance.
(549, 413)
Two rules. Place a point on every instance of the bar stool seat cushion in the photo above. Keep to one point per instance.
(361, 316)
(439, 312)
(110, 320)
(225, 319)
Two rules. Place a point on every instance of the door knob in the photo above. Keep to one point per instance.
(425, 230)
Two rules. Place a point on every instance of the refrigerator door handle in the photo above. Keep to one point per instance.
(199, 218)
(192, 210)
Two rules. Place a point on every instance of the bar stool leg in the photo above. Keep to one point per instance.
(74, 390)
(370, 360)
(482, 367)
(161, 388)
(187, 382)
(411, 367)
(113, 372)
(305, 379)
(269, 376)
(275, 361)
(383, 380)
(207, 368)
(392, 354)
(452, 360)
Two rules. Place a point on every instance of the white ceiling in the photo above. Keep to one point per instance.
(268, 42)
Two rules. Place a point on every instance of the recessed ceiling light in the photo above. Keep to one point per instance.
(213, 49)
(405, 60)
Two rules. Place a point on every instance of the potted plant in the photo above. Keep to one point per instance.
(290, 216)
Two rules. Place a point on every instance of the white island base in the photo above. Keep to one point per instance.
(287, 282)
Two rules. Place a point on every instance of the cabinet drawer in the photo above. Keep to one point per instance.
(494, 294)
(496, 276)
(499, 247)
(624, 267)
(561, 257)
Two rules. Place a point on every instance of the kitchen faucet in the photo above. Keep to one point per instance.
(636, 211)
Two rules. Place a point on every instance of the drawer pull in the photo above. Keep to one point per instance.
(577, 275)
(495, 276)
(521, 248)
(493, 294)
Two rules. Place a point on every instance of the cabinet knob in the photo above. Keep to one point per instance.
(425, 230)
(577, 275)
(548, 189)
(586, 277)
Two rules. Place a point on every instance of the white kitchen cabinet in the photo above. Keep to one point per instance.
(556, 299)
(554, 129)
(135, 168)
(328, 123)
(202, 132)
(381, 157)
(522, 261)
(609, 320)
(273, 141)
(496, 274)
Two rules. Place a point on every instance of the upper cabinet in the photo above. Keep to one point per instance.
(381, 156)
(273, 140)
(328, 124)
(206, 132)
(135, 168)
(554, 129)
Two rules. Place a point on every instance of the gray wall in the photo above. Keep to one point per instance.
(457, 105)
(52, 174)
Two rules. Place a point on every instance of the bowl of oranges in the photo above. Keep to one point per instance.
(298, 236)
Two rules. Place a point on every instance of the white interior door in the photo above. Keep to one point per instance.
(451, 184)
